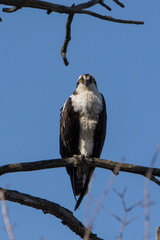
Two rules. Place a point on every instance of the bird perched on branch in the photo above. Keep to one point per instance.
(82, 131)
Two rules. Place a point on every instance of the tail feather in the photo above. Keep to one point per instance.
(80, 177)
(84, 190)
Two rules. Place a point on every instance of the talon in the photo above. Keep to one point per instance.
(83, 157)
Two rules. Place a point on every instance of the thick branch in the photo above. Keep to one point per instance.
(11, 10)
(49, 207)
(95, 162)
(64, 9)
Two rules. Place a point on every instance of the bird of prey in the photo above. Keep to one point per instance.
(82, 131)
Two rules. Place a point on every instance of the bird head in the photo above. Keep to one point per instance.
(86, 81)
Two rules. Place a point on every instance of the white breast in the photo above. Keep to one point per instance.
(89, 105)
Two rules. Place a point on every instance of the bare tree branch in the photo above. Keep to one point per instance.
(79, 9)
(119, 3)
(99, 204)
(126, 209)
(101, 2)
(49, 207)
(67, 38)
(109, 18)
(74, 9)
(102, 198)
(146, 192)
(5, 216)
(11, 10)
(74, 161)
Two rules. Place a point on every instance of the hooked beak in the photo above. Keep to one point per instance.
(88, 82)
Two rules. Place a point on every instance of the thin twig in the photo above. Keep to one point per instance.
(5, 216)
(109, 18)
(101, 2)
(123, 220)
(150, 176)
(67, 38)
(126, 209)
(52, 208)
(119, 3)
(88, 202)
(102, 198)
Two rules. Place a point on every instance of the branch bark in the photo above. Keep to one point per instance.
(52, 7)
(67, 38)
(74, 9)
(49, 207)
(77, 161)
(52, 208)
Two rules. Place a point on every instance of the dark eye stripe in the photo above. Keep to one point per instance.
(81, 80)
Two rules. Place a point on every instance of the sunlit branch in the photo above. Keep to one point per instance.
(75, 161)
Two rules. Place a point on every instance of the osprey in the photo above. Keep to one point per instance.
(82, 131)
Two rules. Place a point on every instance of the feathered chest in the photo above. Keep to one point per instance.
(87, 103)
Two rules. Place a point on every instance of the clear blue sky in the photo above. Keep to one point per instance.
(34, 84)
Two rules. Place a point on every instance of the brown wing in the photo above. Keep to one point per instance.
(69, 131)
(69, 137)
(100, 132)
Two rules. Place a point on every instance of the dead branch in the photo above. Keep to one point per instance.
(5, 216)
(119, 3)
(101, 200)
(146, 192)
(67, 38)
(101, 2)
(52, 7)
(126, 210)
(11, 10)
(91, 162)
(109, 18)
(74, 9)
(48, 207)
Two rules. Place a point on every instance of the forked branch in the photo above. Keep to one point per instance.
(74, 9)
(52, 208)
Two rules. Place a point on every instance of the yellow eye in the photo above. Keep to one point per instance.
(81, 80)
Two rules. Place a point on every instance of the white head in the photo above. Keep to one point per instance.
(86, 82)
